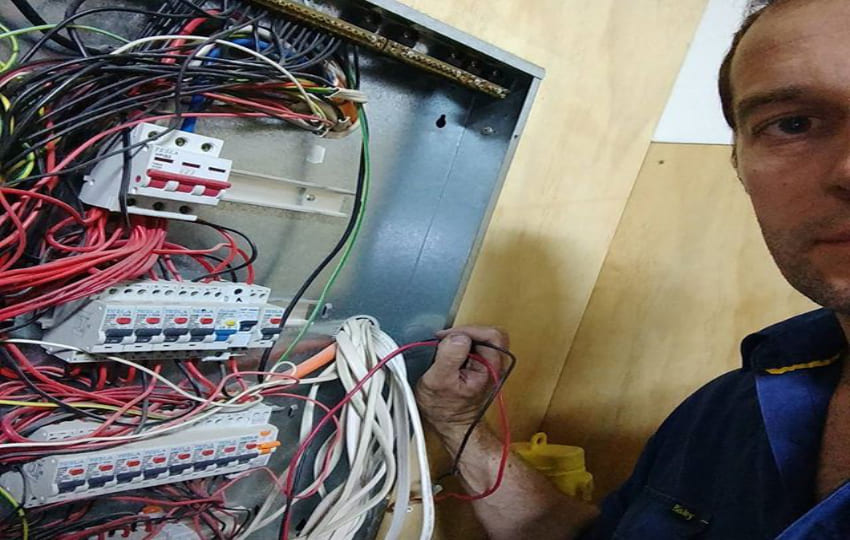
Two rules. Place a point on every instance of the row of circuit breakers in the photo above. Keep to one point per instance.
(224, 443)
(152, 319)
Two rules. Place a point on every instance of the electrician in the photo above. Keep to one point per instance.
(763, 451)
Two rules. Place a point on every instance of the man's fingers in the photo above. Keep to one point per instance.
(452, 352)
(487, 334)
(483, 334)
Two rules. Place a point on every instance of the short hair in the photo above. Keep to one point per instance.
(756, 9)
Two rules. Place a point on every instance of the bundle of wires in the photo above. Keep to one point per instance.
(199, 506)
(63, 114)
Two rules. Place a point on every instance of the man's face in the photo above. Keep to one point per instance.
(791, 88)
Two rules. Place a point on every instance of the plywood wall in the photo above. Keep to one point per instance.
(686, 277)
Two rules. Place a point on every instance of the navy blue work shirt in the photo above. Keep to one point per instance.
(738, 459)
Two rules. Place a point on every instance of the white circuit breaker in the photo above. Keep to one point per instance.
(170, 320)
(222, 444)
(169, 172)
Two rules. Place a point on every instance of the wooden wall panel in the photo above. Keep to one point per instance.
(686, 278)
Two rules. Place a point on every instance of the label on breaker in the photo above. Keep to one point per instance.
(118, 317)
(176, 324)
(180, 459)
(70, 474)
(128, 466)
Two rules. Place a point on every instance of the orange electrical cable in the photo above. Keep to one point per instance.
(316, 362)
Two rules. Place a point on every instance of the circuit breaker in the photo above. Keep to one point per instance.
(170, 319)
(170, 172)
(222, 444)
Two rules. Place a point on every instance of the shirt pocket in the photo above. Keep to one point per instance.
(656, 516)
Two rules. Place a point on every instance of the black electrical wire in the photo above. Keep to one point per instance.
(126, 169)
(145, 405)
(254, 252)
(349, 229)
(489, 401)
(36, 20)
(185, 372)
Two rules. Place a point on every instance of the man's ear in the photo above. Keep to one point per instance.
(734, 160)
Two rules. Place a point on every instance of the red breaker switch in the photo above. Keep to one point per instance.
(170, 170)
(105, 467)
(206, 320)
(123, 320)
(181, 320)
(152, 320)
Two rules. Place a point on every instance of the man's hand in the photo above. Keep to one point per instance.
(452, 391)
(450, 396)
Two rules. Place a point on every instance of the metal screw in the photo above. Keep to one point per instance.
(310, 197)
(488, 131)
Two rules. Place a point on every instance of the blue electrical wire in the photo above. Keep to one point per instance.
(198, 102)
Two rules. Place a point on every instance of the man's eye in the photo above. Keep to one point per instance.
(793, 125)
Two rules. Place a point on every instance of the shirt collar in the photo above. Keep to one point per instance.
(807, 340)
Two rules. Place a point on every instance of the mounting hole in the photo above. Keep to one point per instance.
(131, 202)
(180, 141)
(169, 292)
(158, 206)
(185, 209)
(441, 121)
(292, 410)
(153, 134)
(112, 291)
(140, 291)
(206, 147)
(237, 291)
(138, 179)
